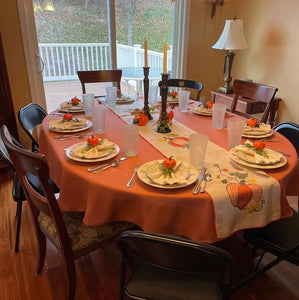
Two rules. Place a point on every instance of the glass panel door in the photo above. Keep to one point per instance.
(73, 35)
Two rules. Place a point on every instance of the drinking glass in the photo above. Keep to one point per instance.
(218, 115)
(88, 104)
(235, 128)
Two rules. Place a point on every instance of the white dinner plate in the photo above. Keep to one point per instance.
(142, 175)
(88, 125)
(235, 158)
(202, 113)
(112, 154)
(257, 136)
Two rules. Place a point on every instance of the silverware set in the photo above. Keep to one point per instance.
(99, 168)
(68, 136)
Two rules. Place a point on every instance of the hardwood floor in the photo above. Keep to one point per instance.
(97, 273)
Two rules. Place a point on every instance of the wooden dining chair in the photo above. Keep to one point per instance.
(254, 91)
(30, 116)
(65, 230)
(169, 267)
(186, 84)
(99, 76)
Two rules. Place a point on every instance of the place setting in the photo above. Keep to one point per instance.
(167, 173)
(255, 155)
(73, 105)
(204, 109)
(69, 124)
(93, 149)
(254, 129)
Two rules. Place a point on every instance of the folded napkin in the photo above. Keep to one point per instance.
(179, 176)
(247, 153)
(205, 110)
(69, 125)
(69, 105)
(83, 150)
(260, 130)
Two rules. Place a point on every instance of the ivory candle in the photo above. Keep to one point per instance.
(165, 60)
(145, 54)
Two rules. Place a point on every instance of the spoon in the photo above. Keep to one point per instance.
(130, 183)
(113, 164)
(207, 178)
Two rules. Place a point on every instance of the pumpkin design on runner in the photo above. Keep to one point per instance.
(243, 192)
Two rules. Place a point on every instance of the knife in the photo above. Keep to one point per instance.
(199, 180)
(105, 164)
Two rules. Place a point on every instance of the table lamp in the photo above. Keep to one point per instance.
(232, 38)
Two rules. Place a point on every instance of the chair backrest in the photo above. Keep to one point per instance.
(174, 252)
(25, 163)
(31, 116)
(291, 132)
(255, 91)
(185, 83)
(99, 76)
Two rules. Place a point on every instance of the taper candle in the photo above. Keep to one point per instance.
(145, 54)
(165, 60)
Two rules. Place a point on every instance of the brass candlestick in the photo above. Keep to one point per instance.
(163, 126)
(145, 90)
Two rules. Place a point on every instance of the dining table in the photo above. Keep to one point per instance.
(235, 199)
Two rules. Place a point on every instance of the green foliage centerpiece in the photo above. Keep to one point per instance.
(163, 126)
(146, 110)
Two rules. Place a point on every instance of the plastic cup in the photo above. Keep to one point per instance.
(183, 100)
(88, 104)
(198, 147)
(235, 129)
(218, 115)
(130, 136)
(98, 119)
(111, 96)
(153, 95)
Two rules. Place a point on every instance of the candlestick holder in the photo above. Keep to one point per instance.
(163, 126)
(146, 110)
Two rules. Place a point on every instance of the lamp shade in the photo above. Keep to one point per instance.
(232, 37)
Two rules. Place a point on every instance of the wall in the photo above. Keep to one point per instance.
(14, 54)
(272, 57)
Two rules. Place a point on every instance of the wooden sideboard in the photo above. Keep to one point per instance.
(7, 115)
(247, 106)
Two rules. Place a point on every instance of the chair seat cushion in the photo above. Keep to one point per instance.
(152, 282)
(81, 235)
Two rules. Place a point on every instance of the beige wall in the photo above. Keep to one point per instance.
(271, 32)
(272, 57)
(14, 54)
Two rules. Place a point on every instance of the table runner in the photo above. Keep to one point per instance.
(241, 199)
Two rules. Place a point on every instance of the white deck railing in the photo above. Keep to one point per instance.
(62, 61)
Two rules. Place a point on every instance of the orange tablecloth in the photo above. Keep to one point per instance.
(105, 198)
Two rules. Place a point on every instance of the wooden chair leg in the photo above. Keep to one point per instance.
(19, 218)
(71, 278)
(41, 251)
